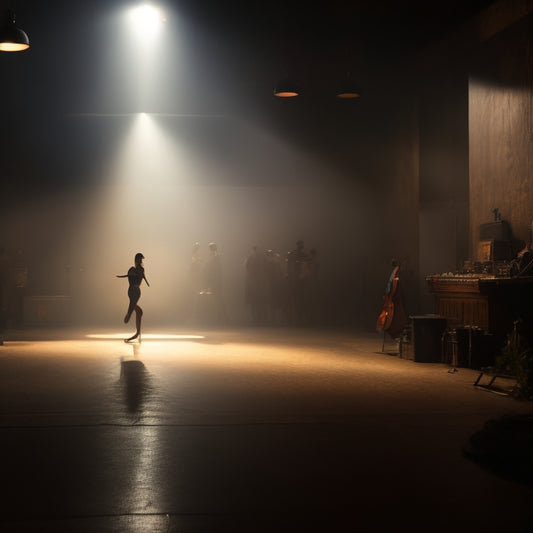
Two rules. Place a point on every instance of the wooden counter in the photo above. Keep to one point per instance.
(492, 304)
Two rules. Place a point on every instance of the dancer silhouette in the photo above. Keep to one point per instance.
(135, 277)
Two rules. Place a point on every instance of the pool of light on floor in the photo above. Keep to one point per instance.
(148, 336)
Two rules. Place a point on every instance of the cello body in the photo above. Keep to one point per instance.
(392, 319)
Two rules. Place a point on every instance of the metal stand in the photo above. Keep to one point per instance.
(397, 351)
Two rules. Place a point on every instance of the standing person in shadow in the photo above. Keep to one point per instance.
(135, 277)
(195, 280)
(213, 284)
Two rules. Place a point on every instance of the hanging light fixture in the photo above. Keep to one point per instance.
(286, 89)
(12, 39)
(348, 89)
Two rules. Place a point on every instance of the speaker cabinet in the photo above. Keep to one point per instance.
(426, 336)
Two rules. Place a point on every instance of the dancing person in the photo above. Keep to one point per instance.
(135, 277)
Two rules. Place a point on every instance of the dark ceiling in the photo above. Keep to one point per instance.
(235, 53)
(391, 26)
(309, 40)
(265, 39)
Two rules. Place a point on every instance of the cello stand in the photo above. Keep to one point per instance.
(389, 352)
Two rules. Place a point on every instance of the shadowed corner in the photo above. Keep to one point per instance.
(503, 447)
(136, 382)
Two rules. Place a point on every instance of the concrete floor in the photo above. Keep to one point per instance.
(247, 430)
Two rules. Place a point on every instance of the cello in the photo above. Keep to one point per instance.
(392, 318)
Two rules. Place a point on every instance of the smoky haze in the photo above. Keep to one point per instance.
(78, 240)
(128, 150)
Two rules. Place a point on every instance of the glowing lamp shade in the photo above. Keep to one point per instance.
(286, 89)
(348, 93)
(12, 39)
(348, 89)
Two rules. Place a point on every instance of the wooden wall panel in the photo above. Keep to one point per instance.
(501, 134)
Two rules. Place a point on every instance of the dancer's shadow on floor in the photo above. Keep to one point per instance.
(136, 382)
(504, 447)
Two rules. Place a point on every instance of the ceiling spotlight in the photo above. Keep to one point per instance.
(12, 39)
(286, 89)
(147, 18)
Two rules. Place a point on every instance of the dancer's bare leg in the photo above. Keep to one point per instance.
(138, 316)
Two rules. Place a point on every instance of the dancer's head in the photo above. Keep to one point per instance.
(139, 258)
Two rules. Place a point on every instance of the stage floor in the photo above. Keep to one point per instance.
(249, 430)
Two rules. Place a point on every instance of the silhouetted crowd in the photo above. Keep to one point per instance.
(282, 290)
(279, 289)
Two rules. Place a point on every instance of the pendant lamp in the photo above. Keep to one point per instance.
(348, 89)
(286, 89)
(12, 39)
